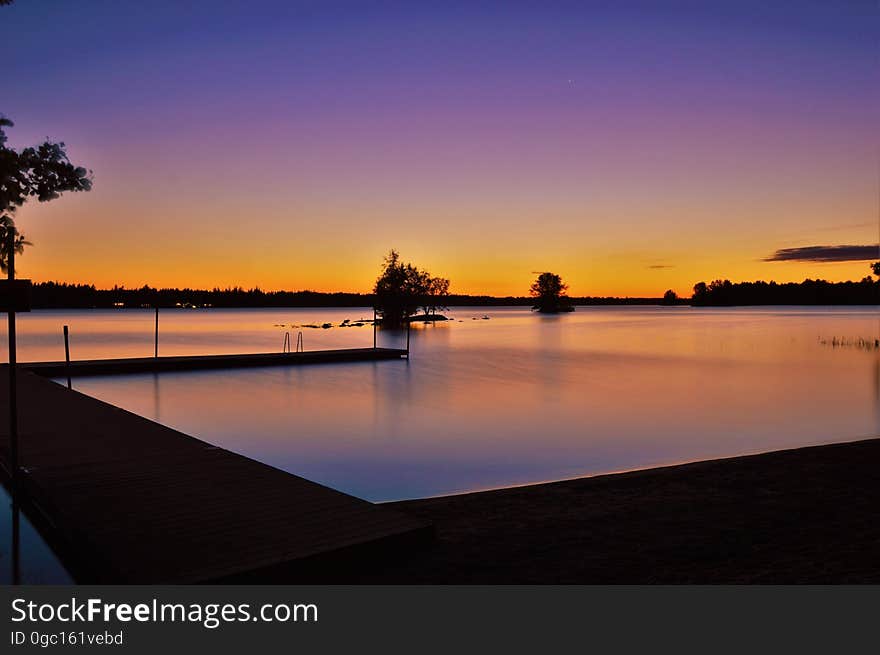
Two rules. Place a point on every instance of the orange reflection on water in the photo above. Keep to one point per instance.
(514, 399)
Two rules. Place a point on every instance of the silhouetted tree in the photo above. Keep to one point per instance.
(549, 292)
(670, 297)
(875, 267)
(402, 288)
(43, 172)
(437, 293)
(7, 224)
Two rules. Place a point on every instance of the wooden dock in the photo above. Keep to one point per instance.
(205, 362)
(126, 500)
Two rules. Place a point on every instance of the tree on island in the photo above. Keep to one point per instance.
(43, 172)
(670, 297)
(402, 288)
(549, 293)
(437, 291)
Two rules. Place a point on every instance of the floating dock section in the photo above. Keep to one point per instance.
(205, 362)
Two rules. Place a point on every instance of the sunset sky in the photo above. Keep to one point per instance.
(629, 146)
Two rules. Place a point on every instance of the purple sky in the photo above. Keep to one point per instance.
(632, 147)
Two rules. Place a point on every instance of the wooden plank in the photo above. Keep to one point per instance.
(130, 501)
(204, 362)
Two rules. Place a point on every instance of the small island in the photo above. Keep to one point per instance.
(403, 288)
(549, 294)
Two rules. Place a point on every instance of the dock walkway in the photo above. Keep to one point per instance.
(204, 362)
(126, 500)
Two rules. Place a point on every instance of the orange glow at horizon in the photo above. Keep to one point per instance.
(80, 239)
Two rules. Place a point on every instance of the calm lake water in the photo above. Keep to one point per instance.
(490, 402)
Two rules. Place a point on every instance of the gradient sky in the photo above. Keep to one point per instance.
(629, 146)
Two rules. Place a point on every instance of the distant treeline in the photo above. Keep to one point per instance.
(809, 292)
(55, 295)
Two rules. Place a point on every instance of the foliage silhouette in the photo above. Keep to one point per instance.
(808, 292)
(436, 296)
(402, 288)
(7, 224)
(549, 293)
(43, 172)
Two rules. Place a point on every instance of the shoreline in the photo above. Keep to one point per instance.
(801, 515)
(612, 473)
(623, 471)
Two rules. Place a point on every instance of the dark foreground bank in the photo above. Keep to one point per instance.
(798, 516)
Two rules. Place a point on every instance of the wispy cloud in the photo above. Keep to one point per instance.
(826, 254)
(661, 266)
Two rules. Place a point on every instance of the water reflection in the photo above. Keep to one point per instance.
(26, 558)
(15, 541)
(157, 414)
(517, 398)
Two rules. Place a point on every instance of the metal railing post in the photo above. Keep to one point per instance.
(408, 326)
(156, 340)
(374, 327)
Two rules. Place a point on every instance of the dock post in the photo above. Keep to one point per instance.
(156, 341)
(67, 356)
(374, 327)
(13, 396)
(408, 325)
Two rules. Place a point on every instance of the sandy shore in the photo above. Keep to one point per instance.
(810, 515)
